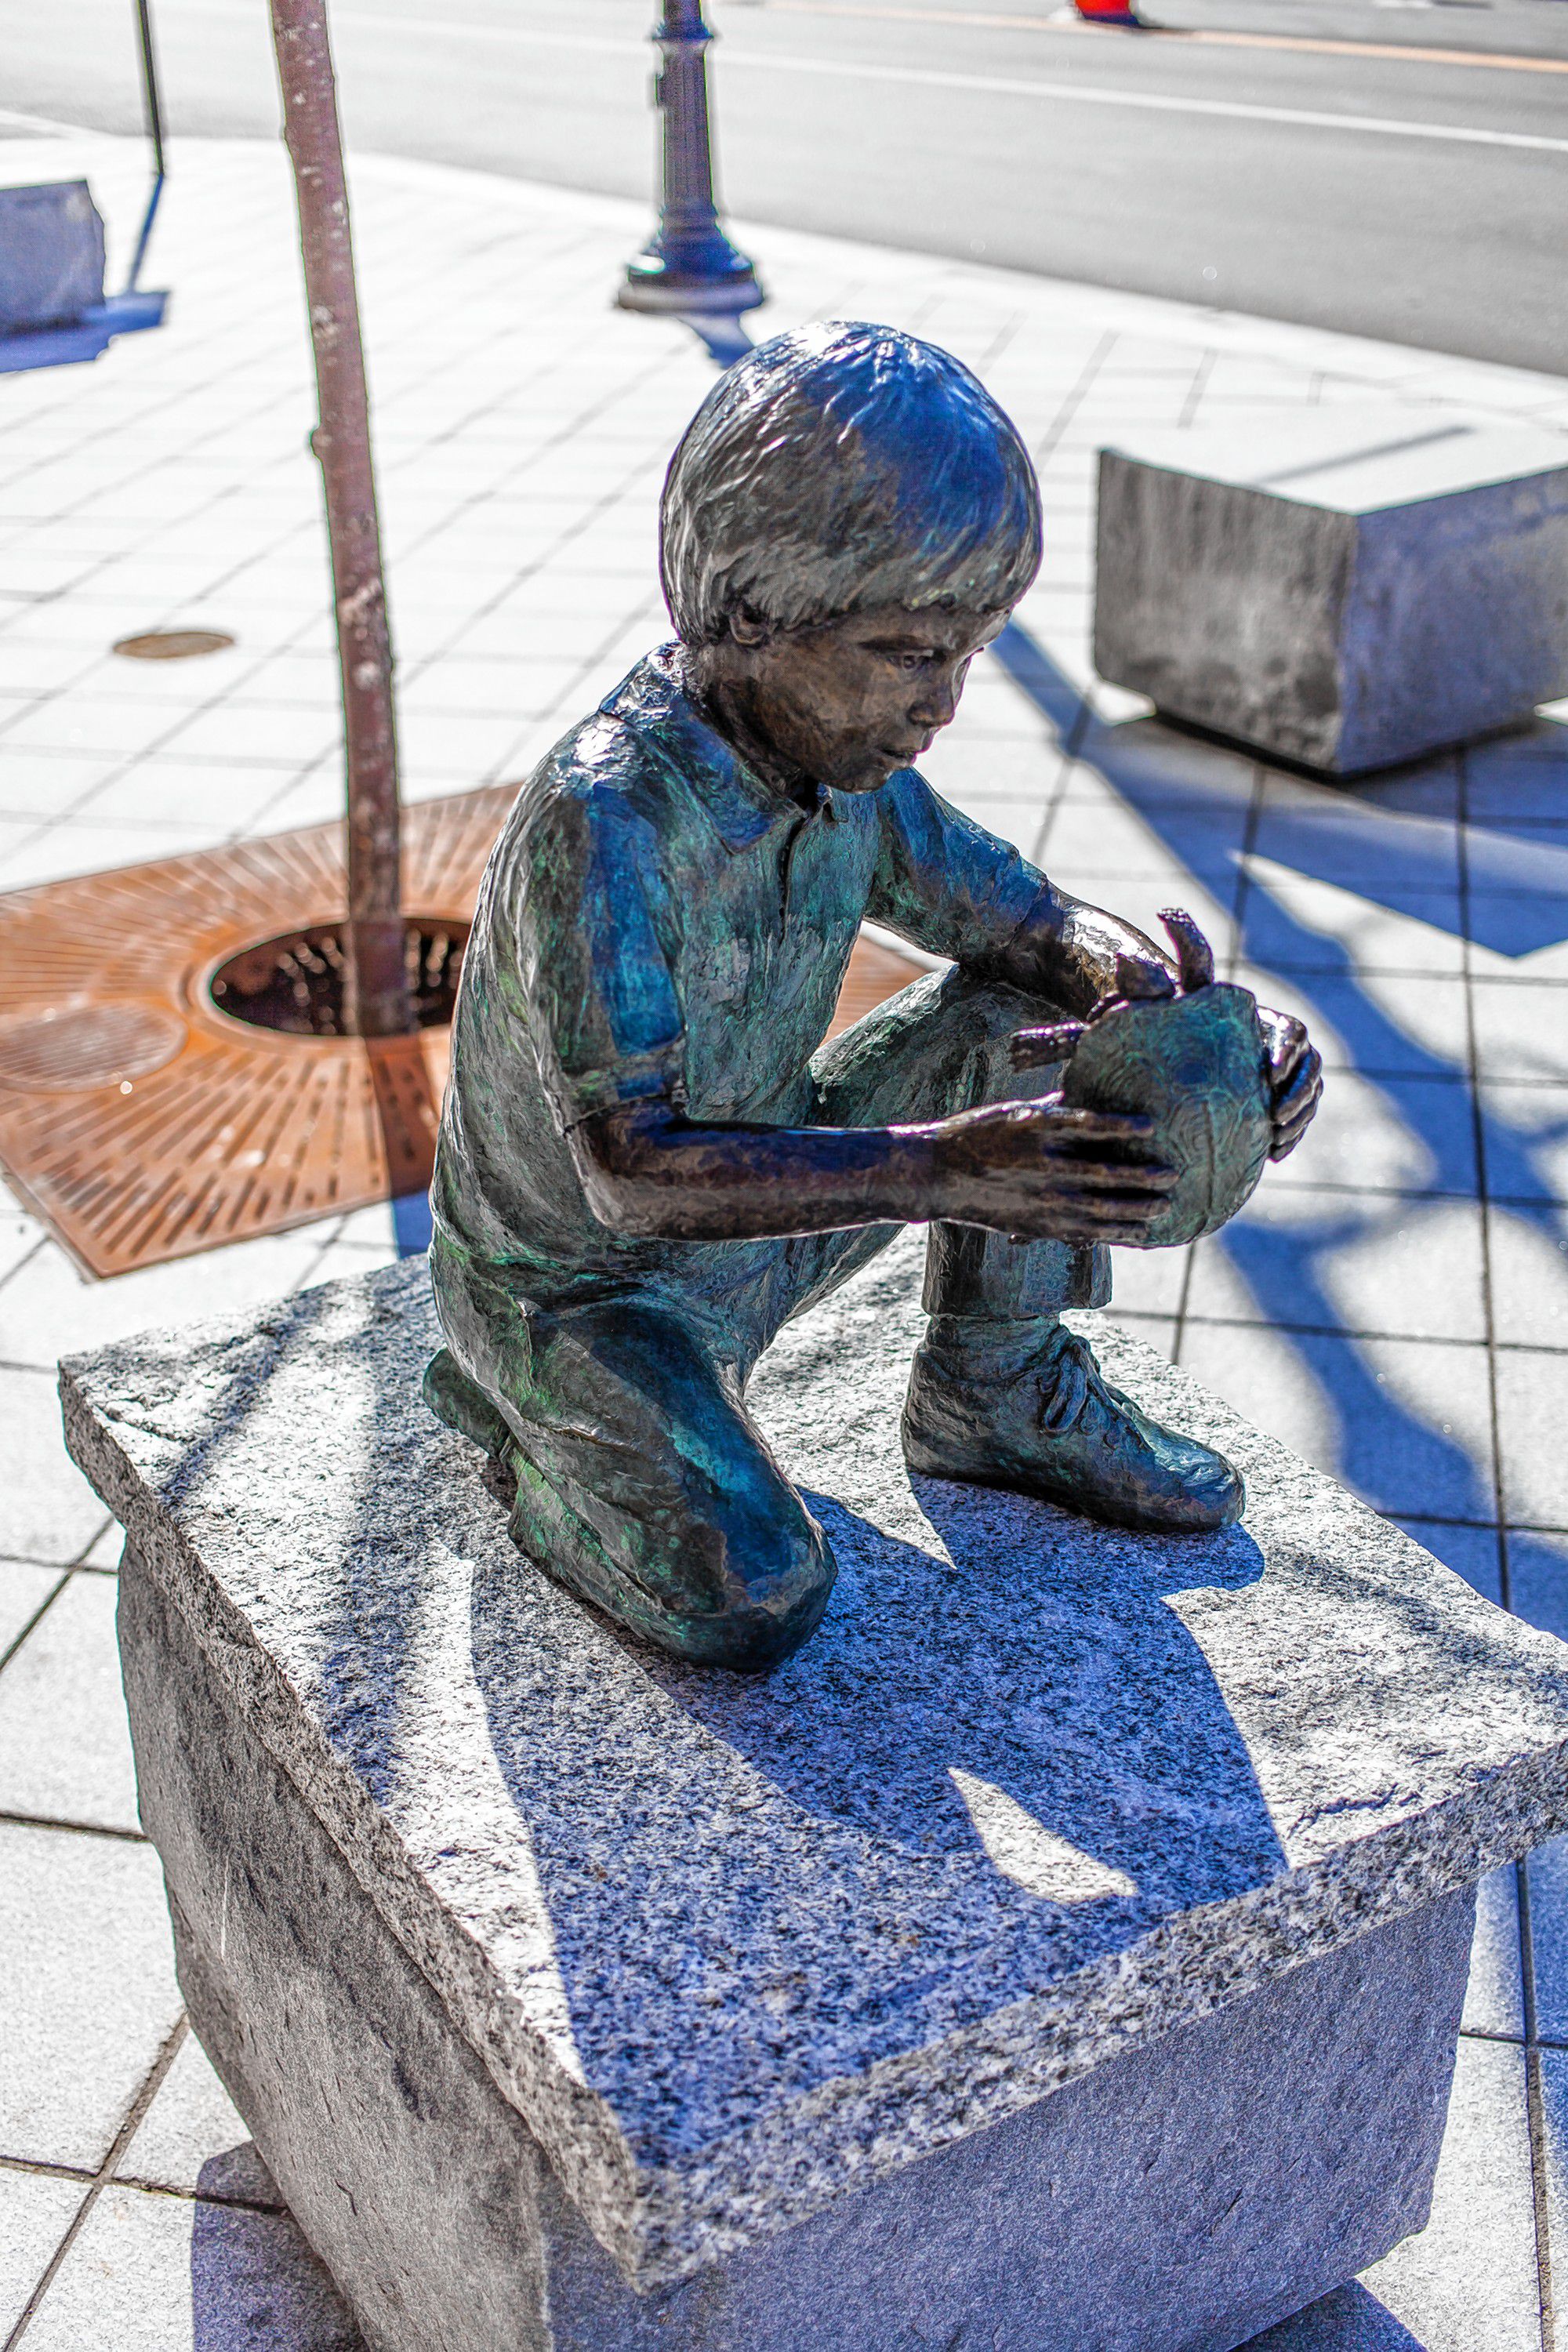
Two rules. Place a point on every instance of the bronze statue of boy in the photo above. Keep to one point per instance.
(649, 1160)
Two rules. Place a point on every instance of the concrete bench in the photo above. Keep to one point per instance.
(1345, 589)
(1064, 1953)
(51, 255)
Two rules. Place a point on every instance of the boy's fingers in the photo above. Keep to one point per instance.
(1035, 1049)
(1112, 1208)
(1306, 1078)
(1194, 956)
(1105, 1125)
(1132, 1177)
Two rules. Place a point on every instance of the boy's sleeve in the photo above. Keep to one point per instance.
(601, 1002)
(944, 882)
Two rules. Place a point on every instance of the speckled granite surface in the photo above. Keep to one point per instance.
(733, 1946)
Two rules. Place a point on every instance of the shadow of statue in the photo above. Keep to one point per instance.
(1039, 1660)
(1007, 1744)
(255, 2286)
(1350, 2320)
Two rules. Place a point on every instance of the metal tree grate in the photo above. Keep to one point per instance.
(142, 1124)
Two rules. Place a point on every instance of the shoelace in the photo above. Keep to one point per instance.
(1068, 1386)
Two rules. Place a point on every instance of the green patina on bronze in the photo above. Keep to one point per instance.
(648, 1158)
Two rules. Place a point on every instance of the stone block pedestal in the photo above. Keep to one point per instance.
(1346, 590)
(1064, 1953)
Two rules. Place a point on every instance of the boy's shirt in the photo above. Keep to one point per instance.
(655, 921)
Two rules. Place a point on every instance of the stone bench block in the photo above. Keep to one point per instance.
(1063, 1953)
(1340, 588)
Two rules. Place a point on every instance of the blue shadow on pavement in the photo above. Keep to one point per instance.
(1390, 838)
(1399, 1462)
(255, 2286)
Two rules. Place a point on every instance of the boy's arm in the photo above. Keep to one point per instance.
(1033, 1169)
(604, 1016)
(1075, 954)
(955, 889)
(950, 885)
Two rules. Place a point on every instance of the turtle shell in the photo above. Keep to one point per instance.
(1197, 1065)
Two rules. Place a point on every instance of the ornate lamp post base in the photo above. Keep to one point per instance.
(689, 267)
(654, 284)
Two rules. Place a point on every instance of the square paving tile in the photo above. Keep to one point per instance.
(1409, 1268)
(48, 1309)
(1526, 1133)
(1470, 2278)
(35, 2210)
(1295, 925)
(1147, 1282)
(1470, 1553)
(1404, 1134)
(47, 1510)
(1521, 1029)
(1494, 1998)
(1405, 1423)
(1527, 1253)
(193, 2139)
(24, 1589)
(1547, 1879)
(151, 2274)
(1538, 1578)
(1532, 1414)
(1554, 2079)
(65, 1745)
(87, 1979)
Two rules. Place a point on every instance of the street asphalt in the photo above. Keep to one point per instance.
(1393, 168)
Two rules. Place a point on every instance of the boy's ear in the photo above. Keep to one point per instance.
(746, 627)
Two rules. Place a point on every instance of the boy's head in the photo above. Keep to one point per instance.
(848, 516)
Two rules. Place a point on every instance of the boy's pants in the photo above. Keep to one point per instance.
(642, 1482)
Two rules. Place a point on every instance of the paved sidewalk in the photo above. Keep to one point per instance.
(1394, 1304)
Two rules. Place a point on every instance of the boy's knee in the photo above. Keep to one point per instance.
(675, 1505)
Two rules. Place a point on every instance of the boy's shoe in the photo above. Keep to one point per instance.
(1024, 1405)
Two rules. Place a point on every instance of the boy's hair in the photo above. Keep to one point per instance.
(841, 466)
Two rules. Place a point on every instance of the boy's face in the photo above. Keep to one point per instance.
(850, 702)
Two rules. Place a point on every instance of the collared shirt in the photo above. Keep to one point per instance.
(658, 921)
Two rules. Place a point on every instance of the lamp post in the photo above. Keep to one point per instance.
(688, 266)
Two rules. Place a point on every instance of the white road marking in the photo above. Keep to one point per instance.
(1071, 93)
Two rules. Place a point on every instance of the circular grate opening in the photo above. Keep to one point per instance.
(173, 645)
(71, 1048)
(295, 984)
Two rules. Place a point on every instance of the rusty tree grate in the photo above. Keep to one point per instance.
(142, 1123)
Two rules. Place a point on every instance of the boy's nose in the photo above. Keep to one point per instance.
(937, 700)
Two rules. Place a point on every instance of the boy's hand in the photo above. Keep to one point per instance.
(1042, 1173)
(1295, 1067)
(1295, 1079)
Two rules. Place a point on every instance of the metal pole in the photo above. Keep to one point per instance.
(376, 991)
(152, 107)
(688, 265)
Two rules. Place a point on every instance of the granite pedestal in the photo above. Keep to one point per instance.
(1347, 590)
(1063, 1953)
